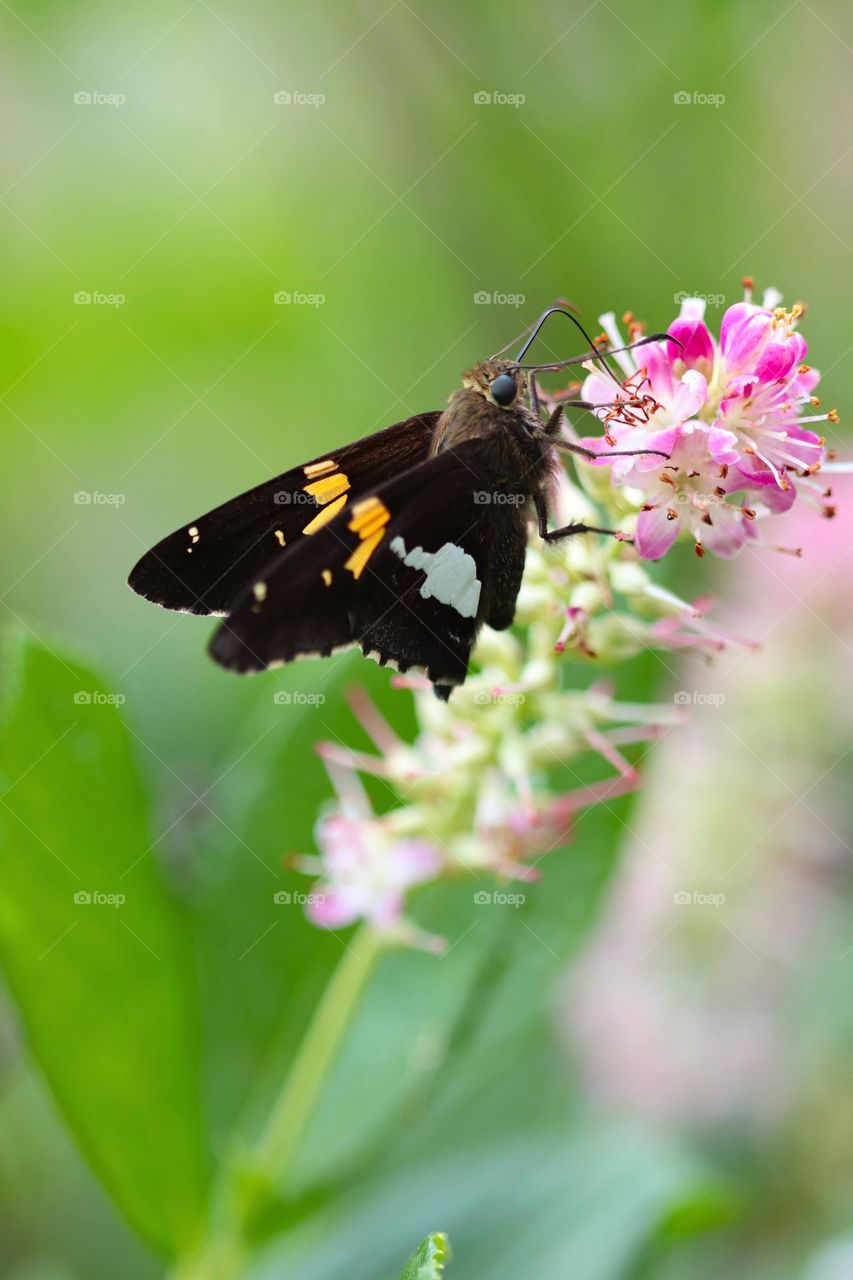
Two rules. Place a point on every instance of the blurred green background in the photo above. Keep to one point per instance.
(148, 166)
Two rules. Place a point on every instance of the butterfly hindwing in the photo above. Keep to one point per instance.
(407, 573)
(203, 566)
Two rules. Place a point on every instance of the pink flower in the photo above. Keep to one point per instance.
(764, 384)
(697, 345)
(691, 492)
(366, 872)
(476, 800)
(733, 415)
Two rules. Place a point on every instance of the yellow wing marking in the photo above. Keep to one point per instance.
(328, 488)
(369, 519)
(330, 491)
(328, 513)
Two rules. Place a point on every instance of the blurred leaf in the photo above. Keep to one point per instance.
(105, 988)
(48, 1190)
(708, 1208)
(429, 1261)
(580, 1199)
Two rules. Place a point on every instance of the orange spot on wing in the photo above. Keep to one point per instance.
(357, 562)
(369, 518)
(328, 513)
(328, 488)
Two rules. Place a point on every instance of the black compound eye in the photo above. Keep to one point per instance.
(503, 389)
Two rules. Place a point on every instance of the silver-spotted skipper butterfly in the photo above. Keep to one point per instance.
(403, 543)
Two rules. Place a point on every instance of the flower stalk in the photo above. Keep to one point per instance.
(278, 1144)
(252, 1181)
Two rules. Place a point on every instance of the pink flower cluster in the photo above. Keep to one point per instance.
(732, 415)
(476, 821)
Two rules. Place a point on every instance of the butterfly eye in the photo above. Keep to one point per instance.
(503, 389)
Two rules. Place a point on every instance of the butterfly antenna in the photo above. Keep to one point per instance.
(561, 302)
(594, 353)
(598, 355)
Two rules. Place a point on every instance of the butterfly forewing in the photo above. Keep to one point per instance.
(205, 565)
(406, 572)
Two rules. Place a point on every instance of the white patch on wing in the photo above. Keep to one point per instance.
(451, 575)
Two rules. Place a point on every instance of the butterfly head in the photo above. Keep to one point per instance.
(499, 381)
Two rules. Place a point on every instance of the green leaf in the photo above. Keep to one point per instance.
(592, 1192)
(96, 951)
(708, 1207)
(429, 1261)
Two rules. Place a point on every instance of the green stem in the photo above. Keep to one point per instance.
(224, 1254)
(294, 1106)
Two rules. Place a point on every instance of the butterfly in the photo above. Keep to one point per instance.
(403, 543)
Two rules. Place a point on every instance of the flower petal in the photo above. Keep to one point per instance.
(723, 446)
(778, 358)
(733, 319)
(331, 909)
(727, 533)
(696, 342)
(655, 533)
(692, 309)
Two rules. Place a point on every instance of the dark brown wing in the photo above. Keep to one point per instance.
(204, 565)
(406, 573)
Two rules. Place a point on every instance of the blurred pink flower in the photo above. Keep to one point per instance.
(365, 874)
(679, 1009)
(460, 814)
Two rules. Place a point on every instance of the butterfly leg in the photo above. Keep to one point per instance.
(591, 454)
(534, 396)
(552, 431)
(554, 424)
(568, 530)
